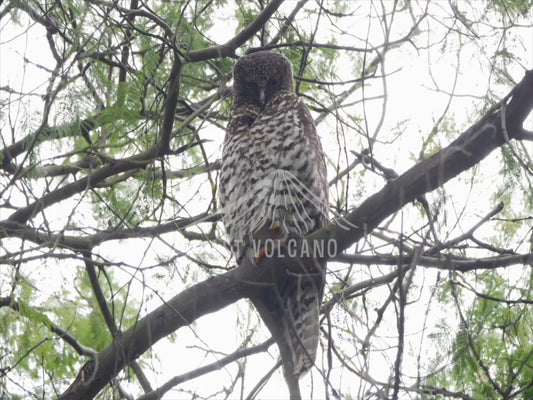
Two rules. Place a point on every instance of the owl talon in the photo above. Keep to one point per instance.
(263, 251)
(259, 255)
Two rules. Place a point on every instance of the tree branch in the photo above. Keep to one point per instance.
(467, 150)
(220, 291)
(87, 242)
(82, 127)
(170, 104)
(245, 352)
(111, 168)
(62, 333)
(228, 49)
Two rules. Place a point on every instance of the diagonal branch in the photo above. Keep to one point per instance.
(29, 312)
(228, 49)
(112, 167)
(467, 150)
(176, 380)
(171, 104)
(220, 291)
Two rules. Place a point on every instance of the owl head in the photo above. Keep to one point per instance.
(259, 76)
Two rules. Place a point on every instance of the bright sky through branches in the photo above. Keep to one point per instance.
(426, 93)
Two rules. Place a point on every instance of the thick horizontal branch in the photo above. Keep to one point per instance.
(85, 164)
(220, 291)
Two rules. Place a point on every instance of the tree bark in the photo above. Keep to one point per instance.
(500, 124)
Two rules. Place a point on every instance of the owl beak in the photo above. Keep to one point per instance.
(262, 96)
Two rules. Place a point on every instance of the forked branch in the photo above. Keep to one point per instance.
(220, 291)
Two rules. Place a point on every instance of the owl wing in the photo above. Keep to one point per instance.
(235, 177)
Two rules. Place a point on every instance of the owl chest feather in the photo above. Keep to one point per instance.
(275, 140)
(268, 174)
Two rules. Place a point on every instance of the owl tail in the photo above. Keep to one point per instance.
(290, 310)
(300, 323)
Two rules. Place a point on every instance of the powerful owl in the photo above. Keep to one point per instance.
(273, 189)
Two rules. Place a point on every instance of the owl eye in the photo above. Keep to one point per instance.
(274, 81)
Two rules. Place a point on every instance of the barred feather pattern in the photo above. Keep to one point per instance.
(272, 172)
(273, 184)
